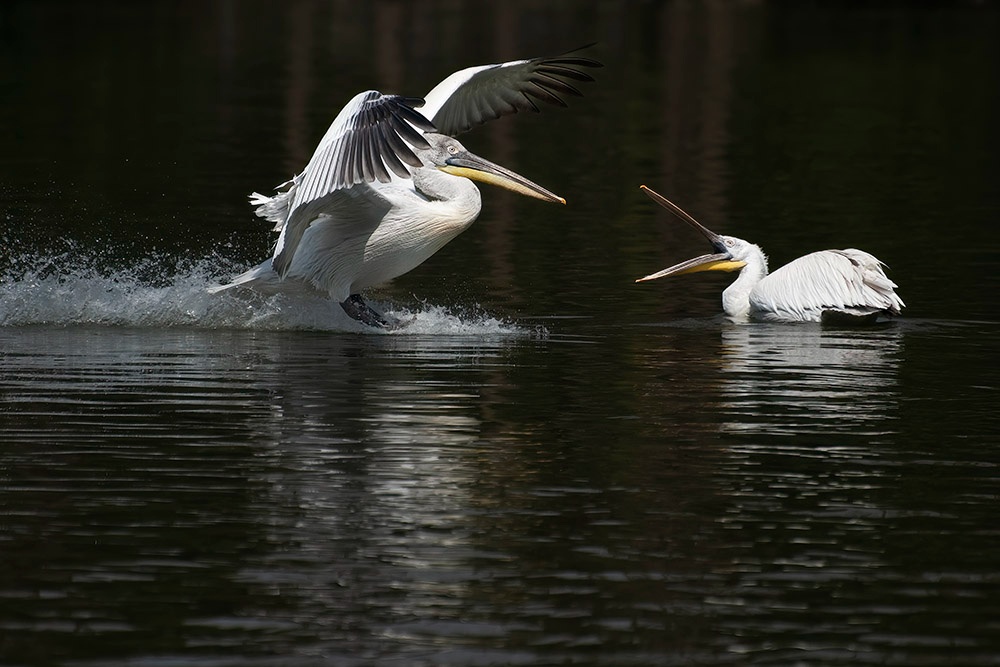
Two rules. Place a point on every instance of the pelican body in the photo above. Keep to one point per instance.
(389, 186)
(828, 285)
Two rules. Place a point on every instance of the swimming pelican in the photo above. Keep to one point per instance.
(388, 186)
(821, 286)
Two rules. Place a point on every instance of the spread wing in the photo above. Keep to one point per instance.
(475, 95)
(846, 281)
(367, 139)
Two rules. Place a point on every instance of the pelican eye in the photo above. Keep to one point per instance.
(453, 150)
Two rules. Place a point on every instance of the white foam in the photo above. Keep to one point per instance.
(71, 288)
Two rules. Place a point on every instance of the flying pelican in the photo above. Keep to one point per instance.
(821, 286)
(368, 208)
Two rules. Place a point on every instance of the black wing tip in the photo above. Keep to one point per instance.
(566, 71)
(407, 107)
(412, 102)
(575, 61)
(378, 142)
(551, 81)
(568, 57)
(557, 70)
(415, 118)
(387, 142)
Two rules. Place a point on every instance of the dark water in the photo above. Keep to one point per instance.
(550, 465)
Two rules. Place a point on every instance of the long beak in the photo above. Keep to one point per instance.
(476, 168)
(720, 261)
(712, 237)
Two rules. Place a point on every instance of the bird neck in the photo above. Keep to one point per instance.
(736, 297)
(436, 185)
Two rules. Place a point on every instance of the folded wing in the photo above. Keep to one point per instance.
(849, 281)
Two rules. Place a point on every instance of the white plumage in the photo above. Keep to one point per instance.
(848, 281)
(819, 286)
(386, 188)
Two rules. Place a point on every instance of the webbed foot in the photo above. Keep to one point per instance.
(357, 308)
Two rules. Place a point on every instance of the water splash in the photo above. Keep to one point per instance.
(71, 287)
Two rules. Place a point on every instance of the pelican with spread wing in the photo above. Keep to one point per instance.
(821, 286)
(389, 186)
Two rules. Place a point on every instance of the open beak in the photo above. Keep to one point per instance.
(718, 261)
(479, 169)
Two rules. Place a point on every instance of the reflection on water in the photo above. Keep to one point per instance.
(799, 379)
(824, 532)
(175, 496)
(252, 488)
(806, 409)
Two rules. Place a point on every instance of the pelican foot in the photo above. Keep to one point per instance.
(357, 308)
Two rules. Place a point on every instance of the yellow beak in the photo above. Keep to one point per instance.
(471, 166)
(717, 262)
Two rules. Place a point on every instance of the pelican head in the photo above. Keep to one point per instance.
(731, 253)
(450, 156)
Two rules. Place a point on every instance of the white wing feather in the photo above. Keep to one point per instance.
(275, 209)
(847, 281)
(363, 144)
